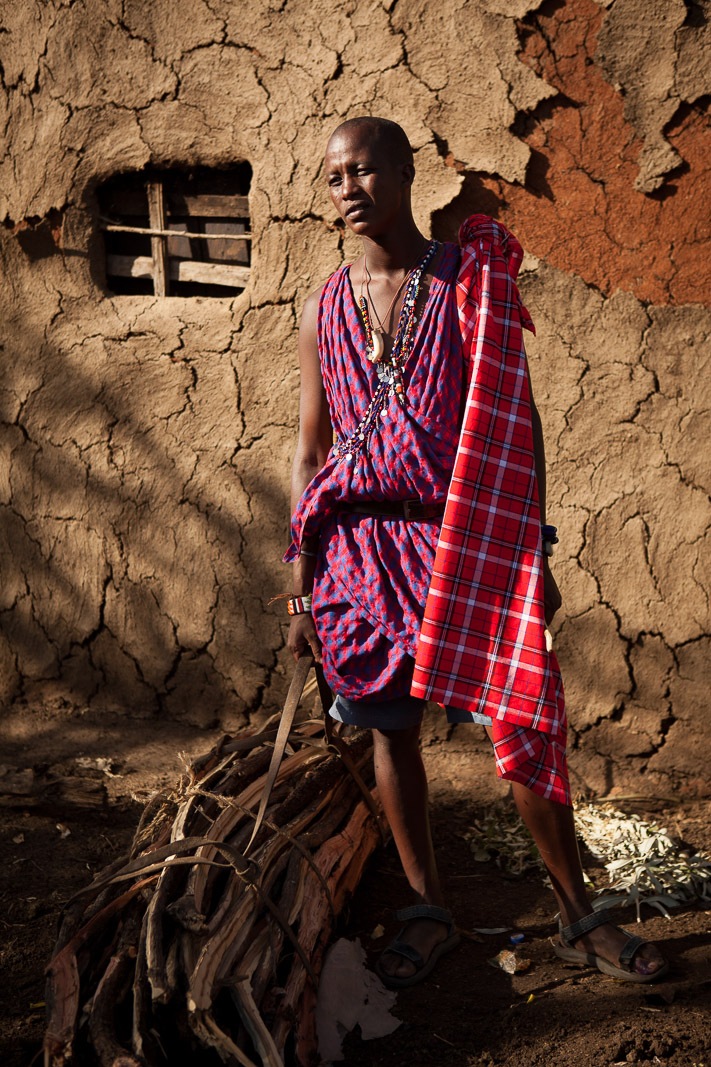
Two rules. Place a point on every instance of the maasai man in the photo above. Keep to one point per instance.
(420, 568)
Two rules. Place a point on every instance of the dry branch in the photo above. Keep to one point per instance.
(190, 950)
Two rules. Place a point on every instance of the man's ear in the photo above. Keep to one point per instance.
(408, 172)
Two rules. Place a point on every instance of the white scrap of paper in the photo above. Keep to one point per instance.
(350, 995)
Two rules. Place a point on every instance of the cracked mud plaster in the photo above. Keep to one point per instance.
(580, 208)
(662, 62)
(147, 443)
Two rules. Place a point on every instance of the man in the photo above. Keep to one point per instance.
(384, 349)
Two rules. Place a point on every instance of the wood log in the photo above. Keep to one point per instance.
(254, 914)
(152, 931)
(24, 788)
(17, 782)
(210, 1035)
(231, 817)
(153, 927)
(349, 848)
(63, 981)
(110, 992)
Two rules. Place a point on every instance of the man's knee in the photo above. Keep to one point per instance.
(391, 741)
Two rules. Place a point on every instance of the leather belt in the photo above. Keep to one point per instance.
(410, 510)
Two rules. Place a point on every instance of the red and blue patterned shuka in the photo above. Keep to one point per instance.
(374, 574)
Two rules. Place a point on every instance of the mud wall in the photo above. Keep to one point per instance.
(147, 442)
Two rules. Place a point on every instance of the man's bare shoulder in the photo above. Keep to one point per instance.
(309, 325)
(312, 301)
(309, 313)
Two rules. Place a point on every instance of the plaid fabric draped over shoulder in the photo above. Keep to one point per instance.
(482, 644)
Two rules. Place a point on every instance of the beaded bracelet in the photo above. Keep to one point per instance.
(303, 552)
(299, 605)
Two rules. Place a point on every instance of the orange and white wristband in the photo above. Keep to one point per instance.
(299, 605)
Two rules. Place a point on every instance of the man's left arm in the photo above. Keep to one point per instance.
(551, 594)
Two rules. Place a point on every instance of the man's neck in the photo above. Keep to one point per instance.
(394, 252)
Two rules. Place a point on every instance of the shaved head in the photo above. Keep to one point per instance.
(386, 135)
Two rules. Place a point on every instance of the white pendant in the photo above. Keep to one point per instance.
(375, 354)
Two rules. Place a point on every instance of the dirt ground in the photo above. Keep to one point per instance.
(79, 817)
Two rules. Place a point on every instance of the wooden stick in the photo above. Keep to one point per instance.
(143, 1043)
(152, 931)
(211, 1035)
(180, 270)
(159, 253)
(113, 227)
(249, 1013)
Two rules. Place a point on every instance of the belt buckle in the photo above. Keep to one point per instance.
(414, 509)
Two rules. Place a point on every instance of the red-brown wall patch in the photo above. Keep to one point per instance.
(579, 209)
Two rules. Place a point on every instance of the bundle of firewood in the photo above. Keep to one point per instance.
(204, 944)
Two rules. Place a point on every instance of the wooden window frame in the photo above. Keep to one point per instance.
(164, 265)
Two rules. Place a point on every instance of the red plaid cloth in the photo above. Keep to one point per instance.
(482, 645)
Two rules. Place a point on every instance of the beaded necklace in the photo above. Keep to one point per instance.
(374, 334)
(389, 370)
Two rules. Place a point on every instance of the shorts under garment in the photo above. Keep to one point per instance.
(396, 714)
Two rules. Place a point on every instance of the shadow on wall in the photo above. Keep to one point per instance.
(136, 577)
(145, 520)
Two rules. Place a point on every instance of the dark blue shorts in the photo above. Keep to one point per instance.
(397, 714)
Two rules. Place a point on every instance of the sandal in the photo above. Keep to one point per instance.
(567, 934)
(409, 952)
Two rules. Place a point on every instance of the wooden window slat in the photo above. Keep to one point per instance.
(131, 202)
(228, 207)
(159, 250)
(179, 270)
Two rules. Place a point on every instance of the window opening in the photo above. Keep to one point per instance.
(177, 233)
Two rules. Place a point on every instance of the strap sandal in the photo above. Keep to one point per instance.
(624, 968)
(401, 948)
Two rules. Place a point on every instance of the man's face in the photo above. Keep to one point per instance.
(367, 187)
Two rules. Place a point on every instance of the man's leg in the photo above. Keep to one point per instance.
(553, 830)
(402, 784)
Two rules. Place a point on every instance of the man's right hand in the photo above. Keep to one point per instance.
(302, 636)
